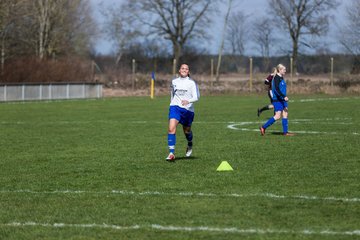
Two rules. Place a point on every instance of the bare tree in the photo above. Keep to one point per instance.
(45, 12)
(237, 35)
(223, 40)
(8, 16)
(81, 30)
(264, 36)
(350, 33)
(117, 27)
(58, 26)
(301, 18)
(177, 20)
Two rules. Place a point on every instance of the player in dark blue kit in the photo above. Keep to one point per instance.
(279, 100)
(268, 81)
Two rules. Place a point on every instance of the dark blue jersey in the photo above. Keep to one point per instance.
(278, 88)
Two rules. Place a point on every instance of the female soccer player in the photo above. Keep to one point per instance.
(268, 81)
(184, 92)
(280, 101)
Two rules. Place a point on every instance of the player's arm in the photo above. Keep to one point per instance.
(172, 90)
(195, 93)
(268, 79)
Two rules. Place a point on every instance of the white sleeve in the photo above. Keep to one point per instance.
(195, 93)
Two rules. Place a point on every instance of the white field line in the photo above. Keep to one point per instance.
(231, 125)
(185, 194)
(120, 99)
(323, 99)
(327, 121)
(235, 126)
(158, 227)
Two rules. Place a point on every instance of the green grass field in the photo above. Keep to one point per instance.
(96, 169)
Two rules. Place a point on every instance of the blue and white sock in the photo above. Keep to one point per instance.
(171, 142)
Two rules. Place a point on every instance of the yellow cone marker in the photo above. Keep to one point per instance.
(224, 166)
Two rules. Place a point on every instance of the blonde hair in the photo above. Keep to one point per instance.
(274, 71)
(279, 66)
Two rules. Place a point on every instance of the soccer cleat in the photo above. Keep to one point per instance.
(262, 131)
(258, 112)
(170, 157)
(289, 134)
(188, 151)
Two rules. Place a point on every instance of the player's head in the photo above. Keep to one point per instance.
(184, 70)
(281, 69)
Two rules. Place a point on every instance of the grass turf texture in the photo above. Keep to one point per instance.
(60, 162)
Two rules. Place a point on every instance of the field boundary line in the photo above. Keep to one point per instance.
(335, 121)
(184, 229)
(120, 99)
(234, 126)
(185, 194)
(323, 99)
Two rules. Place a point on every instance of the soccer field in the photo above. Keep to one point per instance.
(96, 169)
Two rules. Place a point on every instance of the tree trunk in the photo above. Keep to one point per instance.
(356, 66)
(222, 41)
(177, 48)
(295, 55)
(2, 56)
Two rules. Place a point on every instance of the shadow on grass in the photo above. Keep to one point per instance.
(282, 134)
(184, 159)
(277, 133)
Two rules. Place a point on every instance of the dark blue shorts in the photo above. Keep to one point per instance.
(185, 117)
(279, 106)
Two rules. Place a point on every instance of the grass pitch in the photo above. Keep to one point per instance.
(96, 169)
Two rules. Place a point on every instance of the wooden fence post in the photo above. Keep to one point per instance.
(291, 70)
(174, 67)
(331, 72)
(251, 74)
(133, 74)
(212, 75)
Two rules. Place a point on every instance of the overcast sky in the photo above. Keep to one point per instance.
(253, 8)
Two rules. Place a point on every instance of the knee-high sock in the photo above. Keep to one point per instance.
(189, 137)
(284, 122)
(171, 142)
(269, 122)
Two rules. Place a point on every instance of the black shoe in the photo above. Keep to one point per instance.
(258, 113)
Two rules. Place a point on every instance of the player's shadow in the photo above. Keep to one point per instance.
(186, 158)
(277, 133)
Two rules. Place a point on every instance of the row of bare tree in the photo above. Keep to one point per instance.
(53, 28)
(287, 26)
(44, 28)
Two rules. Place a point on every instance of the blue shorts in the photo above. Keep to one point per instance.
(185, 117)
(279, 106)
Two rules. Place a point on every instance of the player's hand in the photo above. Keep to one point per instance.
(286, 99)
(184, 102)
